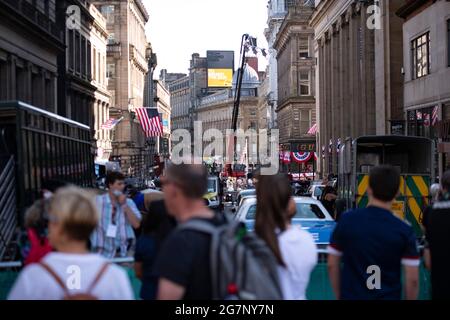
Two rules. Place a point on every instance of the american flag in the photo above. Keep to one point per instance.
(434, 116)
(150, 121)
(110, 123)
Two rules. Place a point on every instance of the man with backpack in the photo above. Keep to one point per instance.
(185, 267)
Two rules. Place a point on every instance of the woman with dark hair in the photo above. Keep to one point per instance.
(156, 226)
(293, 247)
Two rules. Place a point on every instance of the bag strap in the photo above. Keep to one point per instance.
(54, 276)
(63, 286)
(198, 225)
(98, 276)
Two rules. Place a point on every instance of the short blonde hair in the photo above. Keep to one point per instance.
(75, 209)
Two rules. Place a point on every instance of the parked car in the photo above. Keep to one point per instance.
(243, 193)
(311, 216)
(242, 201)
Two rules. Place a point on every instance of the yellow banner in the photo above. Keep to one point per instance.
(220, 78)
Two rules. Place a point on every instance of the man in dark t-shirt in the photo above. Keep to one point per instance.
(185, 261)
(374, 245)
(437, 233)
(182, 265)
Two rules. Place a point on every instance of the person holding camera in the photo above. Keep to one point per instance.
(114, 235)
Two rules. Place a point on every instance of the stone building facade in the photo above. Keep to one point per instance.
(276, 12)
(98, 40)
(127, 65)
(180, 101)
(264, 104)
(30, 43)
(426, 60)
(359, 79)
(296, 107)
(76, 92)
(167, 78)
(162, 103)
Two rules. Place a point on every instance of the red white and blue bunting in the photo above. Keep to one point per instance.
(302, 157)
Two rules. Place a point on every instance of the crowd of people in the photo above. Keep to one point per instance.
(184, 250)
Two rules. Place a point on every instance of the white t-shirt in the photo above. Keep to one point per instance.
(78, 271)
(299, 253)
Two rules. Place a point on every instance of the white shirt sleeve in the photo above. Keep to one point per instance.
(132, 206)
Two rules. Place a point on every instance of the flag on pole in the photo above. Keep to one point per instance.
(330, 146)
(419, 115)
(313, 129)
(338, 145)
(287, 157)
(150, 121)
(426, 121)
(110, 123)
(434, 116)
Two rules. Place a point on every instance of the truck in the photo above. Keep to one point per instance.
(37, 146)
(413, 156)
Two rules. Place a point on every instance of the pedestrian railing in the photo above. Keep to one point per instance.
(319, 285)
(7, 203)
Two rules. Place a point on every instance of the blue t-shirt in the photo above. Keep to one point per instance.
(369, 239)
(146, 251)
(139, 201)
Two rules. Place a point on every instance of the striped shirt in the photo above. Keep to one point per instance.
(108, 246)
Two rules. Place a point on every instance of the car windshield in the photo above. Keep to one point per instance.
(304, 211)
(212, 185)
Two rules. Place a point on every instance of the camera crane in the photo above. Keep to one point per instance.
(247, 42)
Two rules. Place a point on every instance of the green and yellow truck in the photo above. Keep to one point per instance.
(413, 156)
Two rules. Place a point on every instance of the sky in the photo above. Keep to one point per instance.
(178, 28)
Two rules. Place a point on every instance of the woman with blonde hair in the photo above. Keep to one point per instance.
(72, 272)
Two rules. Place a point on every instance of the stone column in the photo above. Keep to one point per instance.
(353, 74)
(12, 77)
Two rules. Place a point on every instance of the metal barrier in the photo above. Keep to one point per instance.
(8, 219)
(319, 287)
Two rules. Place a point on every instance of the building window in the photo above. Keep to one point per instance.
(89, 60)
(420, 48)
(36, 94)
(71, 53)
(21, 85)
(304, 83)
(305, 121)
(420, 123)
(83, 57)
(108, 12)
(303, 49)
(111, 38)
(95, 65)
(111, 70)
(77, 52)
(3, 80)
(49, 94)
(99, 67)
